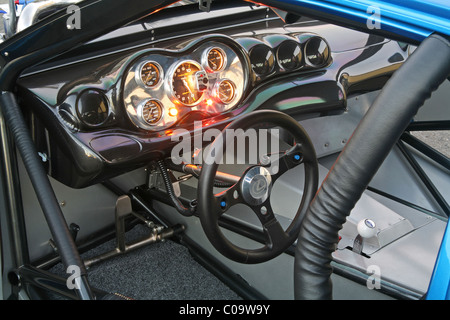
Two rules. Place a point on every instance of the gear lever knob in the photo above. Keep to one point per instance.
(366, 228)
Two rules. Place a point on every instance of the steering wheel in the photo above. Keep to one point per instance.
(254, 188)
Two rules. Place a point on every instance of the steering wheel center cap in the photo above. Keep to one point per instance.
(256, 185)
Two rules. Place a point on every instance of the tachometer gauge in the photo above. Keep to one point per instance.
(214, 59)
(151, 111)
(150, 74)
(225, 91)
(188, 82)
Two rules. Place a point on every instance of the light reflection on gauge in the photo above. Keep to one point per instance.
(289, 55)
(214, 59)
(225, 91)
(151, 111)
(262, 59)
(150, 74)
(317, 52)
(188, 82)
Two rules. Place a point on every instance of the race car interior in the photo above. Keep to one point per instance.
(185, 147)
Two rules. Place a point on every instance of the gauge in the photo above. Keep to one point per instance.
(150, 74)
(189, 82)
(225, 91)
(317, 52)
(151, 111)
(289, 55)
(214, 59)
(262, 59)
(92, 107)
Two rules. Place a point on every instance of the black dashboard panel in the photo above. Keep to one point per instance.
(113, 112)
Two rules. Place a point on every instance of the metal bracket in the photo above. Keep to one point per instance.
(204, 5)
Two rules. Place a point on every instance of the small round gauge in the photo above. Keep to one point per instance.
(151, 112)
(189, 81)
(92, 107)
(215, 59)
(150, 74)
(317, 52)
(262, 59)
(289, 55)
(225, 91)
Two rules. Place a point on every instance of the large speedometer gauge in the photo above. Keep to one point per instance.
(188, 82)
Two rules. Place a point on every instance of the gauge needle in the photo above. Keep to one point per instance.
(187, 86)
(149, 76)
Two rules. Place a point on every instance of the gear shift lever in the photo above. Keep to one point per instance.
(366, 229)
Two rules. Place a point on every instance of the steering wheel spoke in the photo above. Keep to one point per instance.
(273, 231)
(275, 234)
(290, 159)
(264, 212)
(227, 198)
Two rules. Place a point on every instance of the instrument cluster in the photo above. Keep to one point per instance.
(163, 86)
(211, 74)
(277, 54)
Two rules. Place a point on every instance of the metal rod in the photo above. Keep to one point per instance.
(137, 200)
(45, 280)
(426, 150)
(429, 125)
(220, 176)
(407, 203)
(153, 238)
(13, 19)
(14, 200)
(425, 179)
(30, 275)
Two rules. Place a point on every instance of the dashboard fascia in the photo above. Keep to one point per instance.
(82, 154)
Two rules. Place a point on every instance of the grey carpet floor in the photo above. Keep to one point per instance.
(160, 271)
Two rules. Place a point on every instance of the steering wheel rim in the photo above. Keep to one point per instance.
(211, 206)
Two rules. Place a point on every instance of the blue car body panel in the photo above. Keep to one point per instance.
(439, 288)
(408, 19)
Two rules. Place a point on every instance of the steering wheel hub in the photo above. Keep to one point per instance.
(256, 185)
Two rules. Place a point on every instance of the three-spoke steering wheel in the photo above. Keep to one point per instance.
(254, 189)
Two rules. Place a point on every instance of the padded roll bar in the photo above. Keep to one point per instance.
(364, 153)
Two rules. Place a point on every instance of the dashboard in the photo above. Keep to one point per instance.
(101, 115)
(211, 75)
